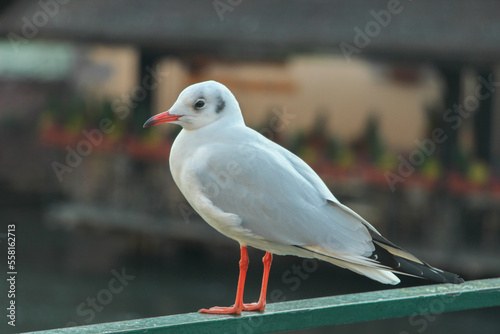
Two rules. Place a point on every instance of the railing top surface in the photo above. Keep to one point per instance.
(316, 312)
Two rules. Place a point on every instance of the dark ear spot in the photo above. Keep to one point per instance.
(220, 104)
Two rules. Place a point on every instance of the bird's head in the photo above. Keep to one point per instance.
(199, 105)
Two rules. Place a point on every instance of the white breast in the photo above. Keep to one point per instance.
(186, 157)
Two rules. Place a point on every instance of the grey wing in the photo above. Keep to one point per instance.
(281, 199)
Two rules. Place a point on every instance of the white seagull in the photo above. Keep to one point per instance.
(258, 193)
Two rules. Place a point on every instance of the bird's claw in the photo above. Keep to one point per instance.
(260, 306)
(222, 310)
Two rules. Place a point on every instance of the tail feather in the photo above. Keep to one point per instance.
(381, 275)
(368, 269)
(402, 262)
(388, 256)
(386, 259)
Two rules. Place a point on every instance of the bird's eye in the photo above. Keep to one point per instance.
(199, 104)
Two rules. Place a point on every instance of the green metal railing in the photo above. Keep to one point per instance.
(430, 299)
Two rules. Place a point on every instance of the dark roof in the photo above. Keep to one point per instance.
(448, 30)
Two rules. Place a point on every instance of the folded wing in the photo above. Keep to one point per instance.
(282, 200)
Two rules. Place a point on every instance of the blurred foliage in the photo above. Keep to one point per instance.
(72, 115)
(317, 145)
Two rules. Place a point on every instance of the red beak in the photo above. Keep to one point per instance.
(163, 117)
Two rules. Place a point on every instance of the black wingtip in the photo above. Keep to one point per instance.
(406, 266)
(427, 272)
(452, 278)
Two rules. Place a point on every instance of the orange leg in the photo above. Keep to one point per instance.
(261, 304)
(238, 304)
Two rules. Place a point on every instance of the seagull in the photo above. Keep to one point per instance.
(258, 193)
